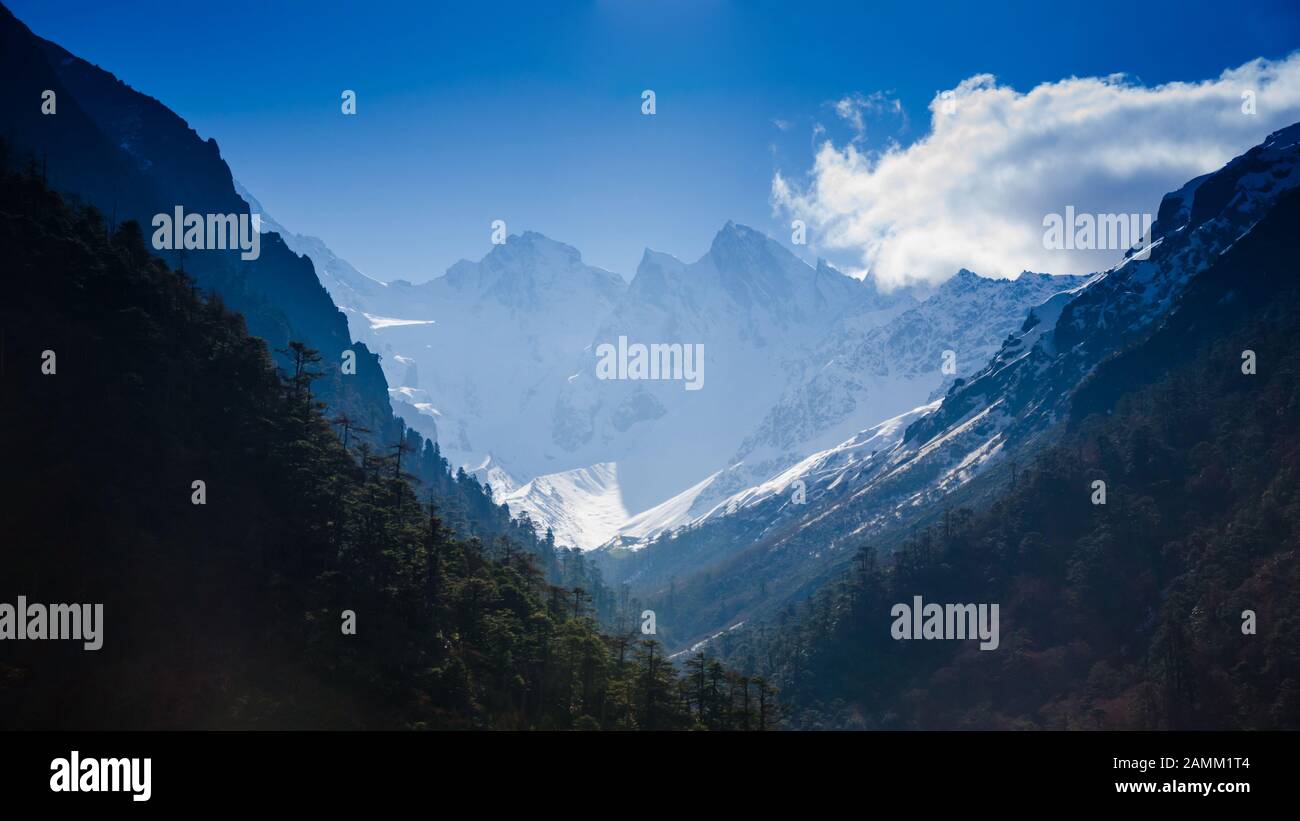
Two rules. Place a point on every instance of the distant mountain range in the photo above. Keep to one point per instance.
(497, 359)
(829, 411)
(879, 485)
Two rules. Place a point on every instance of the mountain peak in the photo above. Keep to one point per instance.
(740, 249)
(532, 247)
(651, 257)
(735, 232)
(824, 268)
(962, 281)
(515, 269)
(1283, 137)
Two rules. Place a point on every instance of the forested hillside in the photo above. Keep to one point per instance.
(226, 603)
(131, 157)
(1127, 614)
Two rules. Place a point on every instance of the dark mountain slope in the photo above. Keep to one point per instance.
(1122, 615)
(132, 158)
(229, 613)
(753, 563)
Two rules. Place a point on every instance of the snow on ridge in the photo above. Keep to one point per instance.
(667, 515)
(381, 322)
(583, 506)
(826, 468)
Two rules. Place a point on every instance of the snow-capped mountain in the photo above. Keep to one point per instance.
(858, 374)
(707, 501)
(854, 376)
(476, 357)
(491, 345)
(753, 309)
(498, 360)
(1027, 385)
(902, 471)
(581, 506)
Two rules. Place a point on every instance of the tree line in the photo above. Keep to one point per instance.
(327, 580)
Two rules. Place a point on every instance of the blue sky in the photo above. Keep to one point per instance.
(530, 112)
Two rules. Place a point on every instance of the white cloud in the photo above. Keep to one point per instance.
(855, 108)
(974, 191)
